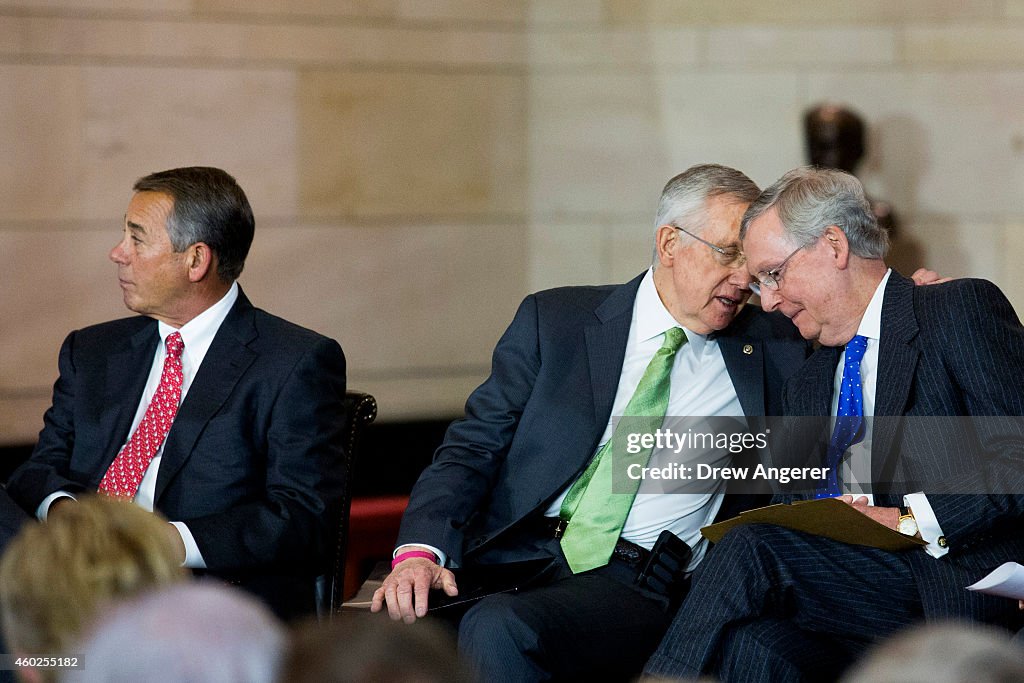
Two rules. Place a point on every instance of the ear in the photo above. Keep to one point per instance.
(200, 260)
(666, 240)
(838, 246)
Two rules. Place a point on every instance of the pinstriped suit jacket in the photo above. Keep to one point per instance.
(954, 349)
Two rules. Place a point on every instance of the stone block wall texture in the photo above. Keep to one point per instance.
(418, 166)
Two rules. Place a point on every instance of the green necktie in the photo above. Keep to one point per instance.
(595, 514)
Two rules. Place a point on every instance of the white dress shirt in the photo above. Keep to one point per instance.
(197, 335)
(700, 387)
(856, 464)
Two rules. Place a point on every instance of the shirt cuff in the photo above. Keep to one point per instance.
(441, 557)
(193, 558)
(44, 508)
(927, 523)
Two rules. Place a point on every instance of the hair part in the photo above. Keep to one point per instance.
(684, 200)
(209, 207)
(810, 199)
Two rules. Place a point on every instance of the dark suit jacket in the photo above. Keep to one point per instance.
(533, 425)
(12, 518)
(954, 349)
(253, 462)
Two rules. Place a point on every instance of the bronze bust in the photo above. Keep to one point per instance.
(835, 139)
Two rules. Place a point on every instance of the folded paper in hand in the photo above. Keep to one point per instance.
(1006, 580)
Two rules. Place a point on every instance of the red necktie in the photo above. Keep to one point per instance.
(125, 473)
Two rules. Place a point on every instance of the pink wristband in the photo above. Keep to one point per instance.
(413, 553)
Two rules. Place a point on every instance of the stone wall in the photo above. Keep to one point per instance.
(416, 167)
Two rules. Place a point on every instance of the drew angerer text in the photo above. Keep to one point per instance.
(704, 472)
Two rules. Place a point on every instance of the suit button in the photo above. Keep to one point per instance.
(748, 349)
(942, 542)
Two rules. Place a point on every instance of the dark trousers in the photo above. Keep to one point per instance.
(772, 604)
(593, 625)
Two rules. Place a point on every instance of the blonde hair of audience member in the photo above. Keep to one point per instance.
(55, 577)
(371, 649)
(942, 653)
(201, 631)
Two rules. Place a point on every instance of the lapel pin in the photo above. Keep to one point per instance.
(748, 349)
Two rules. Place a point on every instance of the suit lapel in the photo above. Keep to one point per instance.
(807, 405)
(606, 339)
(744, 360)
(227, 359)
(809, 392)
(124, 381)
(897, 362)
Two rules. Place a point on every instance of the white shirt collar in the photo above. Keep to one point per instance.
(651, 318)
(198, 333)
(871, 321)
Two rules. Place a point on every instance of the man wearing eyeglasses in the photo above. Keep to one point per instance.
(773, 604)
(521, 477)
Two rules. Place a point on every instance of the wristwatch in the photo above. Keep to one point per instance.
(907, 525)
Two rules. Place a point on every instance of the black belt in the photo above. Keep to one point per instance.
(625, 551)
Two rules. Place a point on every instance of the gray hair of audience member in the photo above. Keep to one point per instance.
(942, 653)
(810, 199)
(200, 631)
(372, 649)
(684, 200)
(209, 207)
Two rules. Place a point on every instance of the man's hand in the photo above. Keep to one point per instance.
(923, 276)
(406, 588)
(890, 517)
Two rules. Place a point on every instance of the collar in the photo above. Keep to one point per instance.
(198, 333)
(871, 321)
(651, 318)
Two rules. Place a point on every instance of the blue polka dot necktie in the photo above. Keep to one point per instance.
(849, 427)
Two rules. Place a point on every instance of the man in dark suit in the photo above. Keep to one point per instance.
(571, 359)
(776, 604)
(248, 466)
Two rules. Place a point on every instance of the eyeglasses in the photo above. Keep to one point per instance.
(770, 279)
(726, 256)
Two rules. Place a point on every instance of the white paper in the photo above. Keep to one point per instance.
(1006, 580)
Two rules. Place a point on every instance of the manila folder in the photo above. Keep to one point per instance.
(826, 517)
